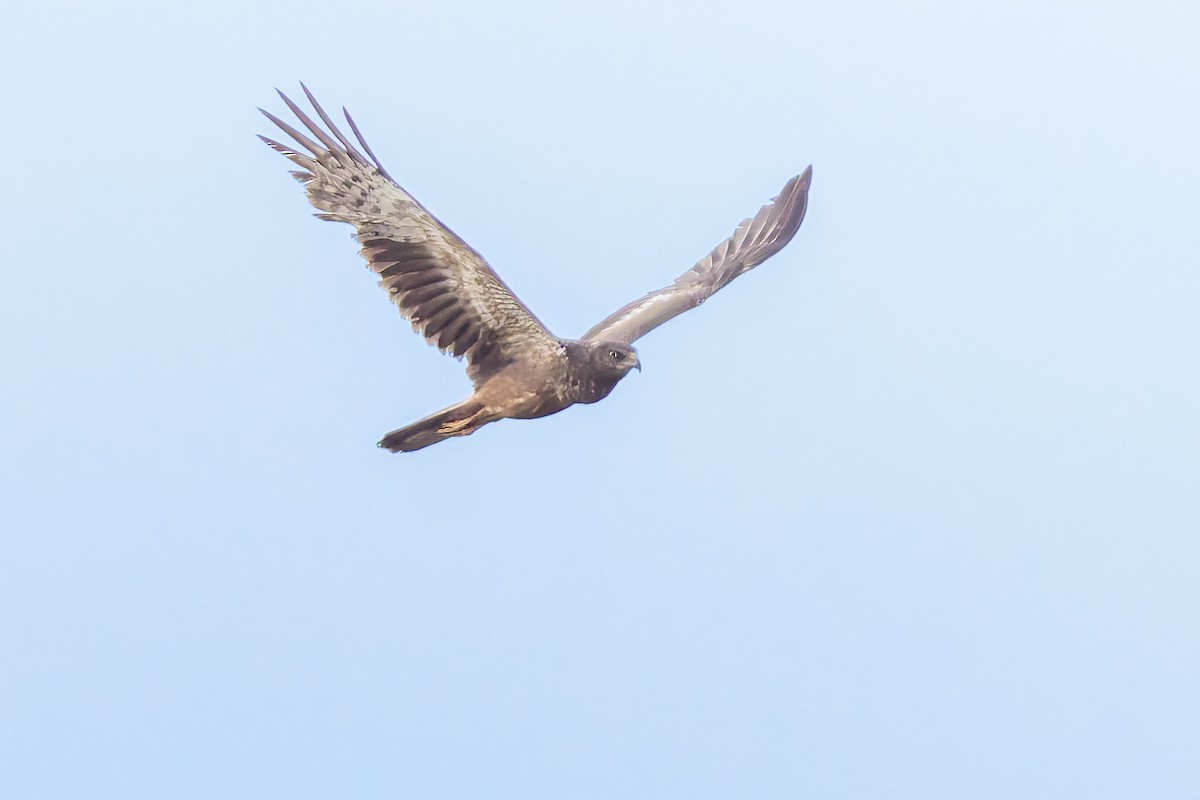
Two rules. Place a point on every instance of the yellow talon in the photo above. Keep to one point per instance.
(461, 427)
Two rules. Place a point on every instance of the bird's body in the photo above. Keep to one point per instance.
(457, 302)
(524, 389)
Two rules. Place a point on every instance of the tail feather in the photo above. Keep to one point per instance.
(430, 430)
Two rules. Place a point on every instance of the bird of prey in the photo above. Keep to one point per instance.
(456, 301)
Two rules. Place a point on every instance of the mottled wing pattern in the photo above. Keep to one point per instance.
(446, 289)
(754, 241)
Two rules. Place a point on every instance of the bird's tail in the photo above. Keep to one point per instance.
(457, 420)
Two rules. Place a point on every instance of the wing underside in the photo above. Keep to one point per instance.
(754, 241)
(440, 284)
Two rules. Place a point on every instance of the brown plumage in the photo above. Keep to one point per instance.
(458, 303)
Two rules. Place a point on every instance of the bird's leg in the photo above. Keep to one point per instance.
(461, 427)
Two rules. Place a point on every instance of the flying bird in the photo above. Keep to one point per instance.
(519, 369)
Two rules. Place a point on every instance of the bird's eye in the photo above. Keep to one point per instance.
(616, 356)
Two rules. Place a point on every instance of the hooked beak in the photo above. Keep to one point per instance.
(637, 363)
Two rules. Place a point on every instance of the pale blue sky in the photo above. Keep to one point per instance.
(909, 512)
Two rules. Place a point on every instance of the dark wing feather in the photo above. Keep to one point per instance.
(754, 241)
(446, 289)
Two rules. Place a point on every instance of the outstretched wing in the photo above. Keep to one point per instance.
(754, 241)
(441, 285)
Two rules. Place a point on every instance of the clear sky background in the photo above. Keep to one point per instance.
(909, 512)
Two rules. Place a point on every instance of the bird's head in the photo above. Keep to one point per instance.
(614, 359)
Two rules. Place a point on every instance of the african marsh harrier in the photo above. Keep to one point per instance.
(456, 301)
